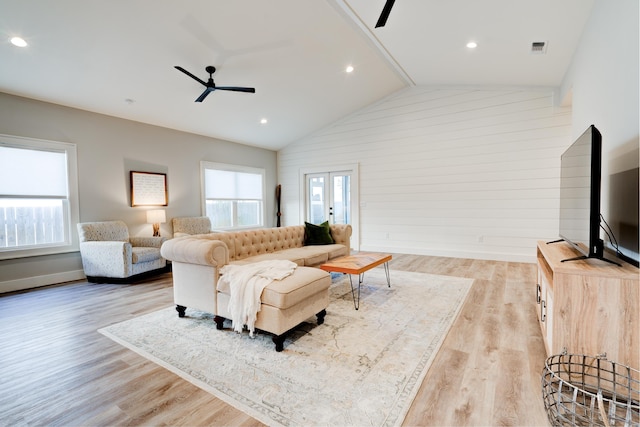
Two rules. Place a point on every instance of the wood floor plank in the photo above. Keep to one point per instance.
(56, 369)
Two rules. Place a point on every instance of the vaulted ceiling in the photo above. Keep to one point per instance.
(117, 57)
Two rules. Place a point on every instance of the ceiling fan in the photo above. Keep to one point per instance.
(211, 86)
(382, 20)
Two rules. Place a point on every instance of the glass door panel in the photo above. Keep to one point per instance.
(329, 197)
(317, 207)
(340, 198)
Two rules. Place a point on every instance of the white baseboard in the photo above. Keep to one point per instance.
(37, 281)
(490, 256)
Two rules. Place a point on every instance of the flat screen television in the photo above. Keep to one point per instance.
(580, 178)
(624, 208)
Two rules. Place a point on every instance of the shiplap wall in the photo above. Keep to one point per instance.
(461, 172)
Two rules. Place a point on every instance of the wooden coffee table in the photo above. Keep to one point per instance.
(358, 263)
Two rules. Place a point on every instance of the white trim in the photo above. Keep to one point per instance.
(354, 169)
(38, 281)
(205, 164)
(353, 18)
(73, 197)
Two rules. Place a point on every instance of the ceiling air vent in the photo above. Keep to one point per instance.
(539, 47)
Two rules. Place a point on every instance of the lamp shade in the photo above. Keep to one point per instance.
(156, 216)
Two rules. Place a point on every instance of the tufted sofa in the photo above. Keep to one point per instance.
(197, 260)
(109, 254)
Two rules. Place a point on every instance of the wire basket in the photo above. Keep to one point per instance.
(581, 390)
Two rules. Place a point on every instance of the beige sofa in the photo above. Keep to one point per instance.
(197, 260)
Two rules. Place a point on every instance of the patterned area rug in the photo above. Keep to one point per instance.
(359, 368)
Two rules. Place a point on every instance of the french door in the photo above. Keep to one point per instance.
(332, 196)
(329, 197)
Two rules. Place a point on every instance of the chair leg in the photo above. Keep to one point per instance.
(320, 316)
(181, 310)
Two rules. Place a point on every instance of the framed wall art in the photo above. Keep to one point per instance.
(148, 189)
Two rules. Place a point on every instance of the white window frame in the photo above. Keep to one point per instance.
(204, 165)
(72, 214)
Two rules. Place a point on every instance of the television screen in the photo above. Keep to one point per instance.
(623, 213)
(580, 194)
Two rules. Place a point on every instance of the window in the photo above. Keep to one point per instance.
(233, 196)
(38, 197)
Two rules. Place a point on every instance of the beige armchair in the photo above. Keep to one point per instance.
(187, 226)
(109, 254)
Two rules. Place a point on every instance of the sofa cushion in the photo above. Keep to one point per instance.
(285, 254)
(310, 256)
(144, 254)
(317, 234)
(306, 255)
(297, 287)
(335, 251)
(303, 283)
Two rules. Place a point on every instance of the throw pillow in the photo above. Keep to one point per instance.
(317, 234)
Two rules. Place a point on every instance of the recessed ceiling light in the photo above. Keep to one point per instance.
(472, 45)
(349, 69)
(264, 121)
(18, 41)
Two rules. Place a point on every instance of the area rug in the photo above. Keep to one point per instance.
(359, 368)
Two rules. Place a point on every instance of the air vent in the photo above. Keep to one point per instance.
(539, 48)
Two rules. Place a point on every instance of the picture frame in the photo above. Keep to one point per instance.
(148, 189)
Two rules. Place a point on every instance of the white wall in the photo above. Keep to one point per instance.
(603, 81)
(108, 148)
(475, 173)
(465, 172)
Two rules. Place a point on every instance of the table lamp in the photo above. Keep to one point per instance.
(156, 217)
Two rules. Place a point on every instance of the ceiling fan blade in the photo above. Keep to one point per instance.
(206, 92)
(190, 75)
(382, 20)
(237, 89)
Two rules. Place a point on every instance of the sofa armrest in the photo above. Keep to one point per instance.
(108, 259)
(341, 234)
(196, 251)
(147, 242)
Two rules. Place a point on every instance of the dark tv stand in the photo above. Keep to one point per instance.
(586, 257)
(583, 256)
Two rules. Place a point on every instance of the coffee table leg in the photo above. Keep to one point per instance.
(386, 271)
(356, 302)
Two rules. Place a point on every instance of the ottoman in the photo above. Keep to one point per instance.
(285, 303)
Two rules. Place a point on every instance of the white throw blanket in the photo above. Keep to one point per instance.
(246, 283)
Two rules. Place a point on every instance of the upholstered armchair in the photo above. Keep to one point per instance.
(190, 225)
(109, 254)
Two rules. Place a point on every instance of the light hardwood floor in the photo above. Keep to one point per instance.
(56, 369)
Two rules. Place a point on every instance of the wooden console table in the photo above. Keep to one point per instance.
(588, 306)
